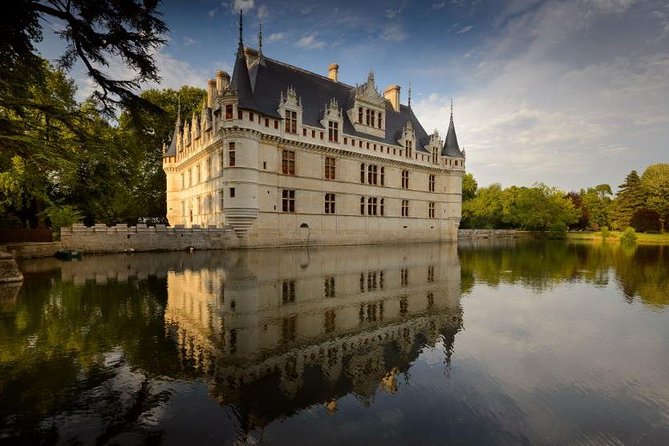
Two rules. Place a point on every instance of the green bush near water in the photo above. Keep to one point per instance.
(628, 237)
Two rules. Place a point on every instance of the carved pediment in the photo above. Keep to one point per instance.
(290, 100)
(367, 92)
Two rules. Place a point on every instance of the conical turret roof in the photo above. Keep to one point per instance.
(241, 82)
(172, 149)
(451, 147)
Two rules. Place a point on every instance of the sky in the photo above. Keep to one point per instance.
(570, 93)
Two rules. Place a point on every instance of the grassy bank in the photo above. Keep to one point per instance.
(614, 237)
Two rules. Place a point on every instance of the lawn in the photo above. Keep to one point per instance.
(614, 237)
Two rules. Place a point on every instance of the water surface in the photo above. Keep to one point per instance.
(506, 343)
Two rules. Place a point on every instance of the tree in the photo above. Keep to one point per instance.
(469, 187)
(655, 184)
(597, 202)
(584, 218)
(141, 136)
(539, 208)
(485, 209)
(629, 199)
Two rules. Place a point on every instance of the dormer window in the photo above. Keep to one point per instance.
(380, 120)
(333, 131)
(360, 115)
(409, 148)
(291, 122)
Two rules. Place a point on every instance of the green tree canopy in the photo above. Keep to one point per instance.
(629, 199)
(655, 184)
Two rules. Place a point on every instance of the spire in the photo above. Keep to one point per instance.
(260, 38)
(451, 147)
(241, 29)
(241, 82)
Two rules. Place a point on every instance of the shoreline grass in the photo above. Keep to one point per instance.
(614, 237)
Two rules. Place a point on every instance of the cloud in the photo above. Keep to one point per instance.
(310, 42)
(393, 33)
(570, 103)
(212, 12)
(391, 13)
(243, 5)
(465, 29)
(188, 41)
(276, 37)
(263, 12)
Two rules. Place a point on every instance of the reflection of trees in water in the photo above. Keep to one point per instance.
(58, 363)
(640, 271)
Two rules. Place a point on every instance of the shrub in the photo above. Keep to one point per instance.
(62, 216)
(628, 237)
(605, 232)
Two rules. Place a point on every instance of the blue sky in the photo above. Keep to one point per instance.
(571, 93)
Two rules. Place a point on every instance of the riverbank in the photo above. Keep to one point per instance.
(614, 237)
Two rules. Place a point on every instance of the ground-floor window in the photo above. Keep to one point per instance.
(288, 200)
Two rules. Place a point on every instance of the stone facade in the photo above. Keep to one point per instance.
(279, 153)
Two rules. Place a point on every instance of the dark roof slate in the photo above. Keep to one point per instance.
(451, 147)
(271, 78)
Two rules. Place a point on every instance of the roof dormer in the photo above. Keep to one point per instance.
(369, 108)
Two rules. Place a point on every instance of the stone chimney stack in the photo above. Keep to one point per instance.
(392, 94)
(211, 93)
(222, 81)
(333, 72)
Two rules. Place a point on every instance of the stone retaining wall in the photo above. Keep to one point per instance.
(29, 250)
(491, 233)
(101, 238)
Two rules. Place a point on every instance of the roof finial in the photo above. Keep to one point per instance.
(241, 25)
(451, 109)
(178, 110)
(409, 94)
(260, 38)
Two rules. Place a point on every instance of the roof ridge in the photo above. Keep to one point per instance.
(287, 65)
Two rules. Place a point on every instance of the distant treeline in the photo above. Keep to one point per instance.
(642, 202)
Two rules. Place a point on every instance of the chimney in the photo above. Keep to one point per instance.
(333, 71)
(392, 93)
(211, 92)
(222, 81)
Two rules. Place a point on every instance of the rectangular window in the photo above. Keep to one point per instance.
(304, 132)
(430, 210)
(190, 177)
(372, 205)
(360, 115)
(409, 148)
(382, 209)
(240, 114)
(288, 291)
(404, 277)
(405, 179)
(232, 160)
(199, 206)
(368, 116)
(431, 183)
(362, 173)
(380, 120)
(383, 176)
(405, 208)
(276, 124)
(252, 117)
(372, 174)
(221, 204)
(329, 168)
(288, 200)
(288, 162)
(373, 119)
(430, 274)
(266, 122)
(329, 203)
(232, 192)
(362, 205)
(291, 121)
(228, 111)
(208, 168)
(333, 131)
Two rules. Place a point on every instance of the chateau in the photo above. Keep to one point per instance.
(285, 156)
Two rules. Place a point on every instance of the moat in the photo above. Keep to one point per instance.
(502, 342)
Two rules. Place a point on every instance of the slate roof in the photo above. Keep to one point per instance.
(451, 147)
(172, 149)
(269, 78)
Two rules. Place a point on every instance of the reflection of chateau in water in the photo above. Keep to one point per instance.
(279, 330)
